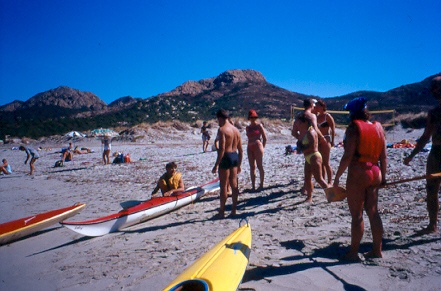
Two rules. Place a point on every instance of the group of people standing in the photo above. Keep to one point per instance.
(230, 155)
(364, 157)
(366, 160)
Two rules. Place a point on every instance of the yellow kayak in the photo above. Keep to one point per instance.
(219, 269)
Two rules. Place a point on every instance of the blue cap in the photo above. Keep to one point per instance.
(356, 105)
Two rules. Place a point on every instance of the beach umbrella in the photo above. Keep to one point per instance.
(74, 134)
(103, 132)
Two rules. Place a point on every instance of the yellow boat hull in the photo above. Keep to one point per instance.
(221, 268)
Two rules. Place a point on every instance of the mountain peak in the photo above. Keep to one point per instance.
(66, 97)
(229, 77)
(239, 76)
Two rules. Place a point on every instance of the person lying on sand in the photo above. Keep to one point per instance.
(82, 151)
(170, 182)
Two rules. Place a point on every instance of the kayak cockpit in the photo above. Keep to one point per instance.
(191, 285)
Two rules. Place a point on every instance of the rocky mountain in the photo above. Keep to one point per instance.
(60, 110)
(66, 97)
(412, 98)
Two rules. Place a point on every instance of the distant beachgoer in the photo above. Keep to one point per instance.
(170, 182)
(326, 125)
(307, 138)
(205, 136)
(432, 130)
(107, 147)
(67, 154)
(81, 151)
(5, 168)
(255, 149)
(229, 161)
(365, 156)
(32, 154)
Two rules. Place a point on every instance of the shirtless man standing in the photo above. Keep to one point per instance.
(229, 160)
(432, 130)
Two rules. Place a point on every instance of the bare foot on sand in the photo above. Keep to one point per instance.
(372, 255)
(350, 257)
(427, 230)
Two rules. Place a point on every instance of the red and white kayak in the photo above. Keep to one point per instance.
(142, 212)
(16, 229)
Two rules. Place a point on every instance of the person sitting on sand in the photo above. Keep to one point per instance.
(5, 168)
(432, 130)
(307, 136)
(67, 154)
(170, 182)
(30, 153)
(365, 156)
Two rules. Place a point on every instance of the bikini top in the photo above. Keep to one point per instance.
(253, 133)
(324, 123)
(305, 140)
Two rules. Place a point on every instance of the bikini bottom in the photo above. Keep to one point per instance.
(309, 156)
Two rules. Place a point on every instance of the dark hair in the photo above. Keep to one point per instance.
(322, 104)
(171, 165)
(308, 103)
(360, 115)
(222, 113)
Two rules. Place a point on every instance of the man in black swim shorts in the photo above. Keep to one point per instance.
(229, 161)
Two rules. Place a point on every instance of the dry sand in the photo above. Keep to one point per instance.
(296, 245)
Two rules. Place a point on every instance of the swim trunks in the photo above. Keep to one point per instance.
(434, 160)
(229, 160)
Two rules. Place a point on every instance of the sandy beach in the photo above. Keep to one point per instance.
(296, 245)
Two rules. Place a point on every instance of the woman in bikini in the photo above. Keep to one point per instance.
(256, 144)
(326, 125)
(304, 131)
(365, 158)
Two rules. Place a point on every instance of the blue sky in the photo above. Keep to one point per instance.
(143, 48)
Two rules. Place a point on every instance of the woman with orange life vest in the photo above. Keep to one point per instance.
(308, 141)
(365, 157)
(256, 144)
(326, 125)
